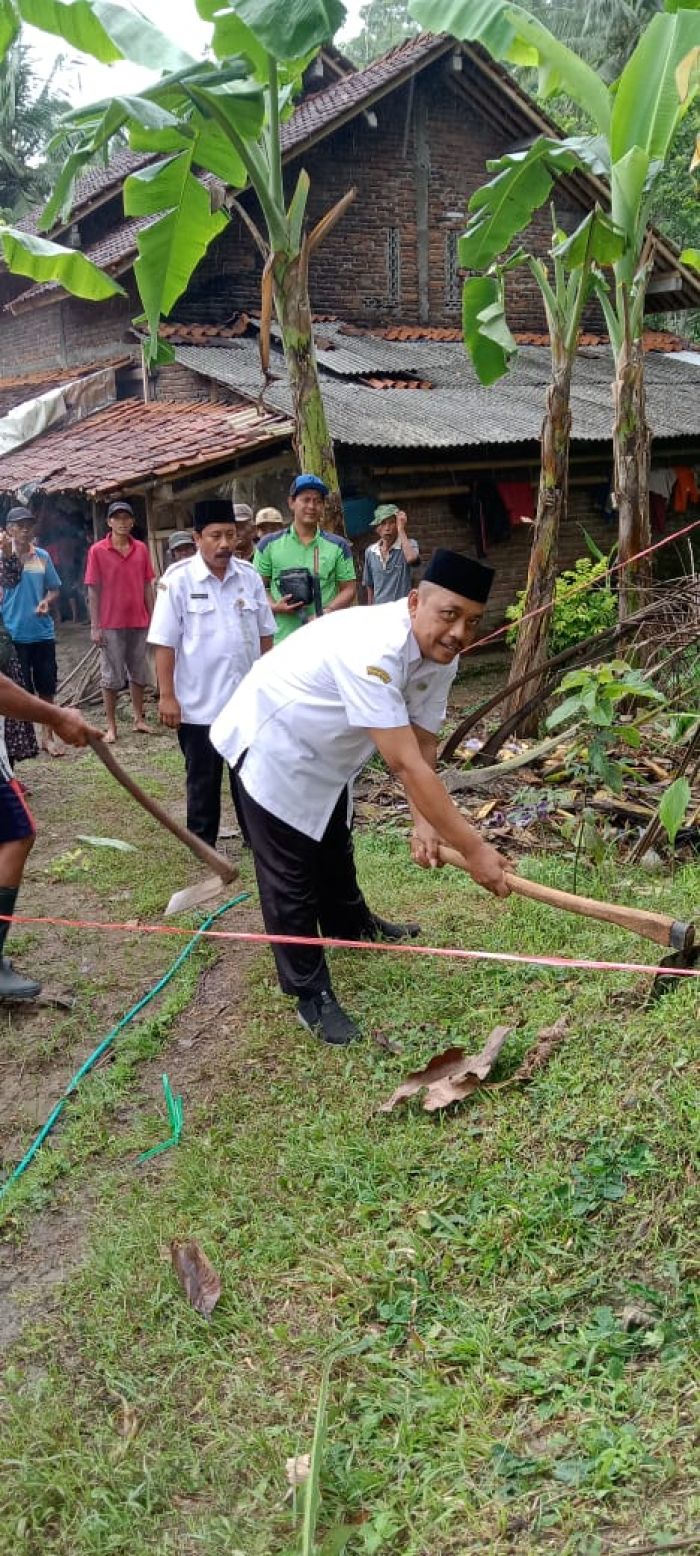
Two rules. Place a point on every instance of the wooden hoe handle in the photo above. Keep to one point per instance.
(196, 845)
(659, 927)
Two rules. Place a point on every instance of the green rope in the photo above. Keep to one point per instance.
(102, 1047)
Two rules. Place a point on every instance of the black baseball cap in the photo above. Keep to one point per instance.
(20, 516)
(120, 507)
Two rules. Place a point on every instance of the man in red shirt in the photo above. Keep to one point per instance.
(119, 576)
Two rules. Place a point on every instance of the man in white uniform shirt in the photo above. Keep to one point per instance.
(303, 724)
(210, 623)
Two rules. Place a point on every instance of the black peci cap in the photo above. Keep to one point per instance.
(212, 510)
(460, 574)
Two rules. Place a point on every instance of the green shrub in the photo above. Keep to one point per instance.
(577, 615)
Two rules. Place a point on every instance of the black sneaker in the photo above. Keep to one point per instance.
(13, 986)
(322, 1015)
(381, 929)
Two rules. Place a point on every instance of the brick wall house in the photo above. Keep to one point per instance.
(413, 134)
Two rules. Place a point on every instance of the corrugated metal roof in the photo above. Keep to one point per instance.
(457, 412)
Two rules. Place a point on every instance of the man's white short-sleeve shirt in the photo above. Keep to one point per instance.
(215, 626)
(302, 714)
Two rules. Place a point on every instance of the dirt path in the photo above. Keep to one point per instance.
(198, 1058)
(90, 981)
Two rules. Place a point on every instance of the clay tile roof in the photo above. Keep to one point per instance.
(131, 444)
(344, 98)
(654, 340)
(94, 183)
(196, 334)
(374, 382)
(45, 377)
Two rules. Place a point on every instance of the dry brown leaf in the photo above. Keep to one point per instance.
(298, 1469)
(545, 1043)
(197, 1276)
(451, 1076)
(636, 1318)
(129, 1424)
(387, 1043)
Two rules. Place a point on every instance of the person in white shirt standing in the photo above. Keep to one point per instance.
(299, 729)
(210, 623)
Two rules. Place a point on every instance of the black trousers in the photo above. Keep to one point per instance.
(39, 668)
(204, 769)
(306, 887)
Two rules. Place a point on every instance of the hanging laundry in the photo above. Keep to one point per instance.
(662, 480)
(603, 497)
(519, 500)
(489, 515)
(686, 492)
(658, 508)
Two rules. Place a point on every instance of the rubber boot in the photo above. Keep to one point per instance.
(382, 929)
(12, 985)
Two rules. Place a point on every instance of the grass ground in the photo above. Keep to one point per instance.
(509, 1292)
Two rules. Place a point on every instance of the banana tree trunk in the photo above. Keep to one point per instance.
(632, 455)
(312, 440)
(533, 632)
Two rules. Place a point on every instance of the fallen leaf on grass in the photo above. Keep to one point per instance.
(197, 1276)
(451, 1076)
(381, 1040)
(545, 1043)
(298, 1469)
(636, 1318)
(129, 1423)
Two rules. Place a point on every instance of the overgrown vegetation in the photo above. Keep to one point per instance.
(514, 1284)
(584, 603)
(30, 110)
(591, 704)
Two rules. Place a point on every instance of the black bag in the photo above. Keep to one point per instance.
(298, 583)
(303, 586)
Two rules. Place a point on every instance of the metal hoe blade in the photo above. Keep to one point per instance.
(685, 957)
(202, 892)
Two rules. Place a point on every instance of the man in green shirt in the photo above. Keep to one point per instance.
(306, 570)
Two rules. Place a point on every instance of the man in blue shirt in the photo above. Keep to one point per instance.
(27, 612)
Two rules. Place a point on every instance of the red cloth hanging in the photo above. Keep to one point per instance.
(519, 500)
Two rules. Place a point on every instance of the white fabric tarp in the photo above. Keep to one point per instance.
(68, 402)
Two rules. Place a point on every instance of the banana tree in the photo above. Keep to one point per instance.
(635, 121)
(108, 33)
(564, 289)
(221, 116)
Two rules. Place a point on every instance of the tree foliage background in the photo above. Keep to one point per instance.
(384, 24)
(29, 113)
(605, 32)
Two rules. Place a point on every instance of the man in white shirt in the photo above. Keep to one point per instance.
(300, 728)
(210, 623)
